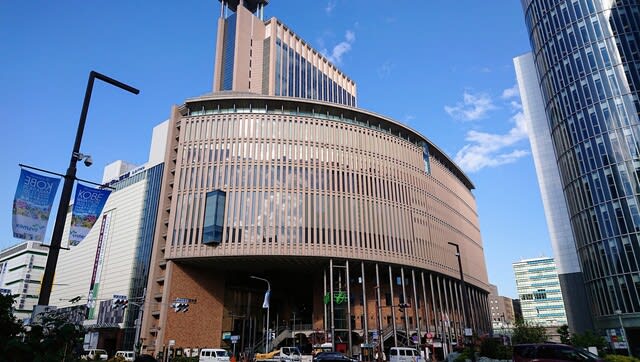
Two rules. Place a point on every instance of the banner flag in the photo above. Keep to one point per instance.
(32, 205)
(265, 304)
(87, 207)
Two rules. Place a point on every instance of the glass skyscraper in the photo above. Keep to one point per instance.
(587, 59)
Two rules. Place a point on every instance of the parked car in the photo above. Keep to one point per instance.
(404, 354)
(213, 355)
(126, 355)
(95, 354)
(552, 352)
(332, 357)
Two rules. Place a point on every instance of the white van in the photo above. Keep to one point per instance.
(95, 354)
(213, 355)
(128, 356)
(404, 354)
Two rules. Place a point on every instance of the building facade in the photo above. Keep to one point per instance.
(266, 57)
(538, 287)
(21, 269)
(277, 182)
(496, 307)
(113, 259)
(501, 309)
(587, 60)
(557, 216)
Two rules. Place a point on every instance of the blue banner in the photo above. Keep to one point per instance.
(32, 205)
(87, 207)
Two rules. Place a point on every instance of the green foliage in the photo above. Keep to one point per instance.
(525, 332)
(494, 349)
(52, 341)
(589, 339)
(620, 358)
(563, 331)
(11, 330)
(466, 354)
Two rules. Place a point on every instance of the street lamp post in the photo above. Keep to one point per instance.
(67, 188)
(268, 336)
(380, 344)
(465, 297)
(618, 312)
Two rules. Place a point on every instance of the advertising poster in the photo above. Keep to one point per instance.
(32, 205)
(98, 261)
(87, 207)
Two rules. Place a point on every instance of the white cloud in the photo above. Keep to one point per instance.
(511, 92)
(342, 48)
(515, 106)
(330, 6)
(491, 149)
(472, 107)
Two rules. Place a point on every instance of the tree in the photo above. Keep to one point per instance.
(563, 331)
(589, 339)
(52, 340)
(526, 332)
(10, 328)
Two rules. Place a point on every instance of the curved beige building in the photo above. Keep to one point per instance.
(347, 216)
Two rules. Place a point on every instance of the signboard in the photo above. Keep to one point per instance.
(468, 332)
(87, 206)
(172, 342)
(32, 205)
(235, 339)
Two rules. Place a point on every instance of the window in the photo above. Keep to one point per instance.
(213, 217)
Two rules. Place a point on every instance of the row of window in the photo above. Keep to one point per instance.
(614, 292)
(314, 117)
(351, 146)
(288, 217)
(229, 51)
(287, 132)
(297, 77)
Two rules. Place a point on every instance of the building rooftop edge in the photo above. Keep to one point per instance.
(322, 56)
(247, 95)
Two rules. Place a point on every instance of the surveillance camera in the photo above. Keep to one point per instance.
(88, 161)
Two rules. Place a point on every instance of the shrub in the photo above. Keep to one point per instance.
(494, 348)
(466, 354)
(620, 358)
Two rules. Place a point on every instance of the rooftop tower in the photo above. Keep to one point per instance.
(270, 59)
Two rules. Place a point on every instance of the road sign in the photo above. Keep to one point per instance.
(235, 339)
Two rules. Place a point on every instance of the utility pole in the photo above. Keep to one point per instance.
(67, 188)
(137, 345)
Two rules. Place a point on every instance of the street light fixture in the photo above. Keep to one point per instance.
(465, 297)
(267, 296)
(618, 312)
(67, 188)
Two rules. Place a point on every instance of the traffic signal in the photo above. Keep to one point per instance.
(119, 302)
(180, 306)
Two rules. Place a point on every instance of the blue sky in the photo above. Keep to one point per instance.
(442, 67)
